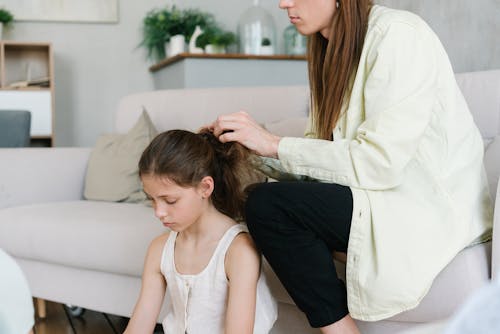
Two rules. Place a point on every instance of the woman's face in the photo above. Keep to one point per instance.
(310, 16)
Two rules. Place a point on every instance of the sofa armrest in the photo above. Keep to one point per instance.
(495, 252)
(34, 175)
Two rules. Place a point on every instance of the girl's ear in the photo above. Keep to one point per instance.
(206, 186)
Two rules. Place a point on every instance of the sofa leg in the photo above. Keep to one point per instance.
(40, 306)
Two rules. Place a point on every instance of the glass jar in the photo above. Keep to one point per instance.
(256, 31)
(295, 43)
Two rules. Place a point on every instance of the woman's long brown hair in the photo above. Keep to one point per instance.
(333, 62)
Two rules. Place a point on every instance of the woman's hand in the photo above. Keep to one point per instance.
(242, 128)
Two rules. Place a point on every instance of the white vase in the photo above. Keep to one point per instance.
(176, 45)
(192, 42)
(215, 49)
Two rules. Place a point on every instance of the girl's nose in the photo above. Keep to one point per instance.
(160, 211)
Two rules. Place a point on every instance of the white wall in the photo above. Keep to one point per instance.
(468, 29)
(96, 64)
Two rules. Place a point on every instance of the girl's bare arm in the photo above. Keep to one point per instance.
(148, 306)
(242, 269)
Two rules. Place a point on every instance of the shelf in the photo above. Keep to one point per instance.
(181, 56)
(27, 83)
(25, 62)
(28, 89)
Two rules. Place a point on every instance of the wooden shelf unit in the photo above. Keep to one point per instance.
(31, 64)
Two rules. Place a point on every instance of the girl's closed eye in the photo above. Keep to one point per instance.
(170, 201)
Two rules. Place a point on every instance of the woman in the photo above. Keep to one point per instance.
(399, 158)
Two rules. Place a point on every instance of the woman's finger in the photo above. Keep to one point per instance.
(223, 126)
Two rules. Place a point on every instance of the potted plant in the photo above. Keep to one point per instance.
(5, 19)
(155, 33)
(215, 40)
(190, 21)
(173, 26)
(266, 47)
(195, 17)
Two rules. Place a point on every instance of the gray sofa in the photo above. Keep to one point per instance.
(90, 253)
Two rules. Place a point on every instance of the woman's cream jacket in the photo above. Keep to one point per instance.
(408, 148)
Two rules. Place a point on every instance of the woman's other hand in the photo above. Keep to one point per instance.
(242, 128)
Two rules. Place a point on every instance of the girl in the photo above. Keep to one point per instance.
(400, 159)
(207, 262)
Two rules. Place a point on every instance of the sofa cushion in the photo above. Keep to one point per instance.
(449, 289)
(112, 173)
(481, 90)
(102, 236)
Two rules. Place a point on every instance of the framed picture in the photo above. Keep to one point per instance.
(98, 11)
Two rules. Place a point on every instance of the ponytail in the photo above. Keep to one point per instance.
(186, 158)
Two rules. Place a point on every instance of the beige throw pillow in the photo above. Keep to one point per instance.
(112, 172)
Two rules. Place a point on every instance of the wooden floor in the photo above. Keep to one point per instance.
(59, 321)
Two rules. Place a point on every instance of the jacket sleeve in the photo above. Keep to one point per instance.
(274, 169)
(398, 98)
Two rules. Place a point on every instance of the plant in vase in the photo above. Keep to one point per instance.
(266, 47)
(6, 19)
(196, 17)
(215, 40)
(195, 23)
(173, 26)
(155, 31)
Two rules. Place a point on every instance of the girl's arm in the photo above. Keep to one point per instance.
(148, 306)
(242, 269)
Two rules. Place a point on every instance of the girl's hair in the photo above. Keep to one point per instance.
(332, 63)
(185, 158)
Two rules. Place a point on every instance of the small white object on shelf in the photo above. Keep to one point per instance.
(192, 42)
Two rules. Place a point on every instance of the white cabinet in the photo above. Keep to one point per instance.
(37, 102)
(229, 70)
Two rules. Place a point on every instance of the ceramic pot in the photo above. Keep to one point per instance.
(176, 45)
(215, 49)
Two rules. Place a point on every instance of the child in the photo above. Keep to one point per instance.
(207, 263)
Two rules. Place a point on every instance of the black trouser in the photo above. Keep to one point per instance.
(297, 226)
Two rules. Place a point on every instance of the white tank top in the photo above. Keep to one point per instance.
(196, 304)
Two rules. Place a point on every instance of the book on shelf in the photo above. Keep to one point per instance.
(38, 82)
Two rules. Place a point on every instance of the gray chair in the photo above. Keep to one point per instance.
(15, 128)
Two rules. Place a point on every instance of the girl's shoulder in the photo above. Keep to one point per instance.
(157, 244)
(242, 256)
(242, 241)
(161, 239)
(241, 246)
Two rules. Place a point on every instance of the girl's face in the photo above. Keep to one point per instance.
(310, 16)
(177, 207)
